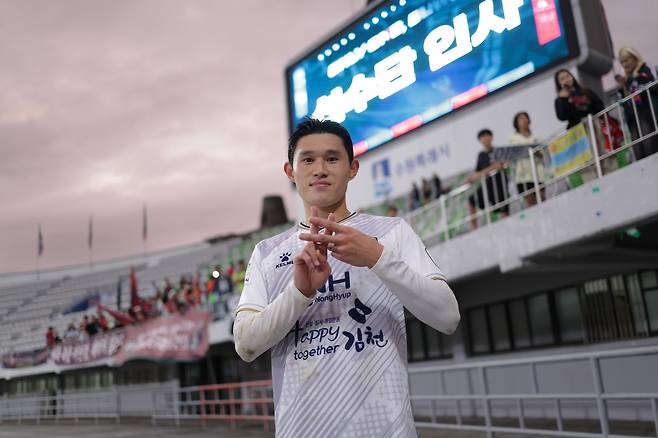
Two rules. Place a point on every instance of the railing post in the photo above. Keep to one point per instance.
(558, 414)
(433, 410)
(535, 178)
(444, 217)
(535, 385)
(202, 406)
(153, 408)
(118, 403)
(231, 405)
(654, 408)
(176, 393)
(459, 412)
(485, 403)
(485, 194)
(595, 146)
(521, 414)
(600, 403)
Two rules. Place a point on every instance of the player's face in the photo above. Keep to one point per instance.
(321, 170)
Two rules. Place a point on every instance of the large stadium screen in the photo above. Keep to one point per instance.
(406, 63)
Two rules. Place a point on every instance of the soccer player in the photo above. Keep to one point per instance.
(327, 298)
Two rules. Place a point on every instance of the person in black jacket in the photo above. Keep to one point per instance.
(574, 102)
(638, 74)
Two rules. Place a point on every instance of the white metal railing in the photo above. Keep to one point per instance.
(61, 406)
(612, 141)
(600, 396)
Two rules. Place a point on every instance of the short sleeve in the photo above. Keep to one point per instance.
(254, 293)
(483, 161)
(412, 250)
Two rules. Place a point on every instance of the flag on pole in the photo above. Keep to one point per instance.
(40, 242)
(90, 240)
(134, 297)
(144, 224)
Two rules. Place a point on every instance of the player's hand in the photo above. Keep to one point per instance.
(564, 92)
(311, 269)
(346, 244)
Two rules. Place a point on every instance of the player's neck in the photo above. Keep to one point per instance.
(339, 210)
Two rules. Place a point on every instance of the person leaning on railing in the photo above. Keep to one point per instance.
(523, 169)
(496, 184)
(638, 74)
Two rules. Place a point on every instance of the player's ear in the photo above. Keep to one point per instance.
(287, 168)
(354, 168)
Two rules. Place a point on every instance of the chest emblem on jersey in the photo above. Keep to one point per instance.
(284, 260)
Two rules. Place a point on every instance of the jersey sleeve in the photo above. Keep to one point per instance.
(413, 251)
(254, 293)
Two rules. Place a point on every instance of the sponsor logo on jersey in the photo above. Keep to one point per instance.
(285, 259)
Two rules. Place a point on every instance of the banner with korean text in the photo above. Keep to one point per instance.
(175, 337)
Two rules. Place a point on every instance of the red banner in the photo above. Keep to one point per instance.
(177, 337)
(100, 346)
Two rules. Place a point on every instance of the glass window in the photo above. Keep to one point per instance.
(540, 320)
(649, 280)
(622, 306)
(637, 305)
(499, 331)
(434, 341)
(478, 331)
(569, 316)
(651, 297)
(519, 320)
(415, 340)
(599, 311)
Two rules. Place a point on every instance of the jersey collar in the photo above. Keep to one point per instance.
(303, 226)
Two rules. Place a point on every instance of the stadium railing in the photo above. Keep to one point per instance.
(452, 405)
(600, 144)
(231, 402)
(469, 410)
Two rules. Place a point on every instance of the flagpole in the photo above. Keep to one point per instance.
(90, 242)
(144, 233)
(39, 251)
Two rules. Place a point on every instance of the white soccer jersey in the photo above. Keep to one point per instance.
(342, 369)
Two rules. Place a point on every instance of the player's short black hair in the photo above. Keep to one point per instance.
(484, 132)
(314, 126)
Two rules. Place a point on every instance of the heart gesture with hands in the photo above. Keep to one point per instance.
(345, 243)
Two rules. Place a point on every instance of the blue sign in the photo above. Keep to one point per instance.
(408, 62)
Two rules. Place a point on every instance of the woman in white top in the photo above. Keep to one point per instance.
(523, 170)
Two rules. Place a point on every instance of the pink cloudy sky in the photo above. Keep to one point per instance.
(105, 105)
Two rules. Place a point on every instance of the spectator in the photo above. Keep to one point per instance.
(392, 211)
(573, 102)
(103, 325)
(414, 197)
(523, 169)
(71, 334)
(84, 324)
(437, 188)
(638, 74)
(496, 184)
(51, 337)
(427, 191)
(92, 326)
(238, 282)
